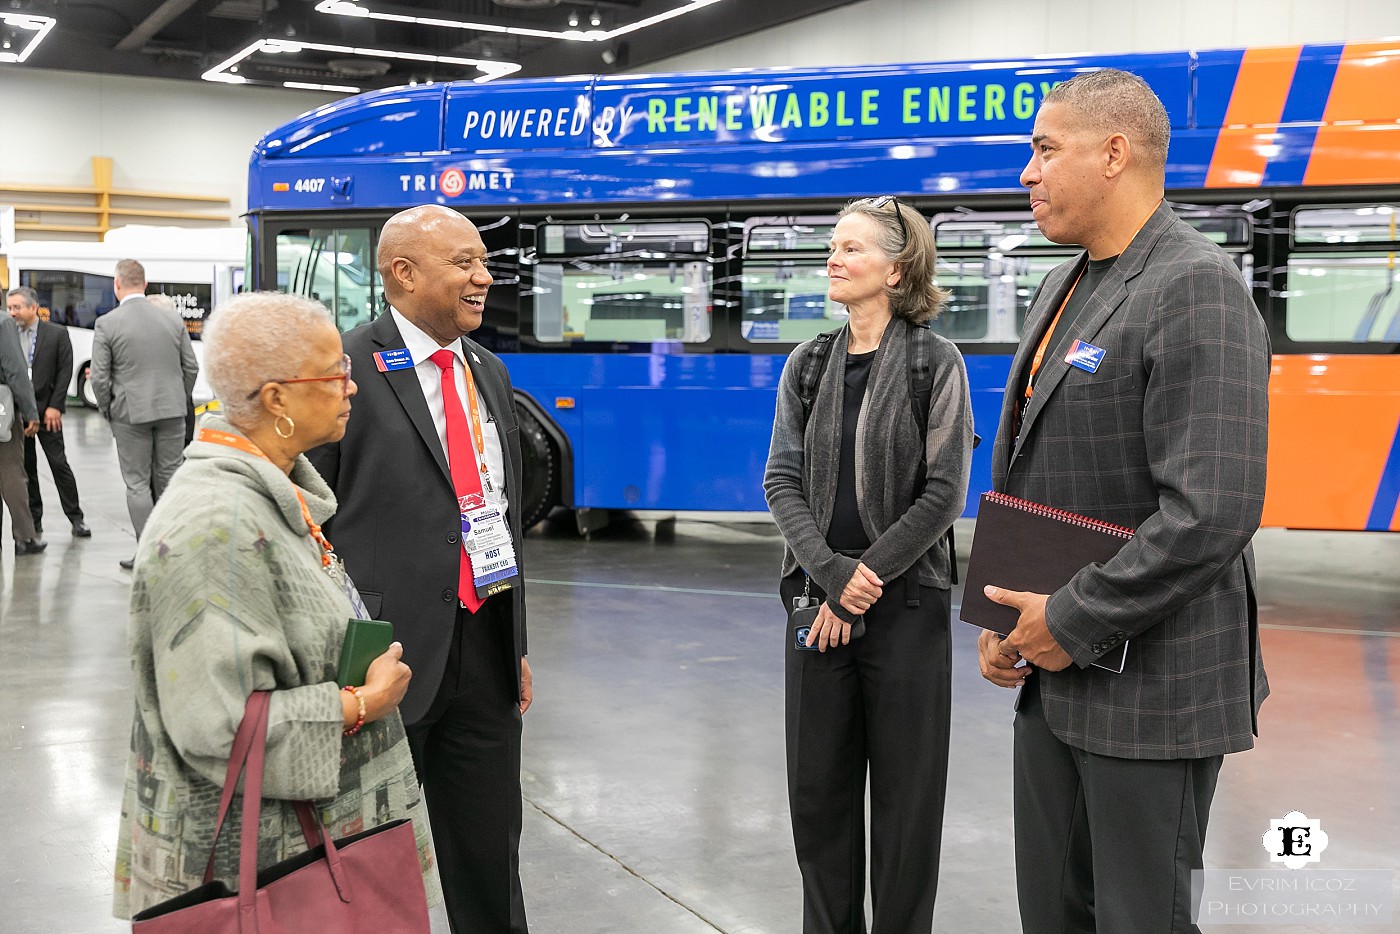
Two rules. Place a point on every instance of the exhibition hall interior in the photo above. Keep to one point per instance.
(635, 466)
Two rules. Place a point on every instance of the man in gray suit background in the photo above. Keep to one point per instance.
(1139, 396)
(22, 417)
(143, 371)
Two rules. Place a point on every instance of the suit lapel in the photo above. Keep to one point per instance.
(409, 391)
(1100, 307)
(1106, 300)
(493, 395)
(1047, 299)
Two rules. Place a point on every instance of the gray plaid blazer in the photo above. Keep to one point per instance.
(1168, 437)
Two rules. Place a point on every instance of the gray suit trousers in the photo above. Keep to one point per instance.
(14, 487)
(148, 454)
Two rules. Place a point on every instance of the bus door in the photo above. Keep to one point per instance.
(333, 265)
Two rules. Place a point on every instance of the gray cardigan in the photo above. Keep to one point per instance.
(905, 522)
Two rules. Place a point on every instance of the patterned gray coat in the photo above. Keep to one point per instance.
(229, 598)
(1168, 437)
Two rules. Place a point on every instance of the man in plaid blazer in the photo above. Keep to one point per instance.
(1139, 395)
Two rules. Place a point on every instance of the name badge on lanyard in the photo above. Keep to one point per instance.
(485, 533)
(486, 539)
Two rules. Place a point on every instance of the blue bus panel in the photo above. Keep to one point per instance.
(690, 431)
(672, 429)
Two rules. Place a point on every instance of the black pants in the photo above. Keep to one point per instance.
(1104, 844)
(467, 751)
(880, 703)
(52, 442)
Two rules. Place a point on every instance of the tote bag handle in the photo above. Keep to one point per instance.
(246, 759)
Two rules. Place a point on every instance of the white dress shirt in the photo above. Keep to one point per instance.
(421, 347)
(29, 337)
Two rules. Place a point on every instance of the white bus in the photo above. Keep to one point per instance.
(198, 269)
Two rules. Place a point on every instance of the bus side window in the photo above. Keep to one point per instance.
(73, 298)
(1343, 280)
(623, 282)
(784, 280)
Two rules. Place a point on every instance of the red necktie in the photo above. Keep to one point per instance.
(461, 459)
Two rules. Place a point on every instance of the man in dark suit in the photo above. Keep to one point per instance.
(1139, 395)
(143, 370)
(431, 454)
(50, 356)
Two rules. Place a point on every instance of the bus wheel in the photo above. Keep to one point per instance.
(85, 394)
(539, 470)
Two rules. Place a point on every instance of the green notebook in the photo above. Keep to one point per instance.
(365, 640)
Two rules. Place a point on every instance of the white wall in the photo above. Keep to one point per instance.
(951, 30)
(189, 137)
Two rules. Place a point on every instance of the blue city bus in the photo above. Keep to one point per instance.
(659, 242)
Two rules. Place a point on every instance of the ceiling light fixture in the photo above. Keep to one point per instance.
(38, 25)
(595, 18)
(351, 8)
(309, 86)
(224, 71)
(573, 19)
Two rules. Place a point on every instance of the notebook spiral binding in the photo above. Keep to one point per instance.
(1049, 512)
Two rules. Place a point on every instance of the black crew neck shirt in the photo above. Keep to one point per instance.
(846, 533)
(1065, 331)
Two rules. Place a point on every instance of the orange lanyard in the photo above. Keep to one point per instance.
(1049, 333)
(478, 435)
(214, 436)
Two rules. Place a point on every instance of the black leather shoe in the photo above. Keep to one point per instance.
(80, 530)
(32, 547)
(127, 563)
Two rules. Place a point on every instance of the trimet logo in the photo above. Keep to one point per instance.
(1294, 840)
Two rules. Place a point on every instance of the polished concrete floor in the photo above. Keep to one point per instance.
(653, 769)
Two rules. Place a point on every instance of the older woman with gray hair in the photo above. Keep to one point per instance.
(865, 476)
(236, 590)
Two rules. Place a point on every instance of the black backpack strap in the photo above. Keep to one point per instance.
(810, 370)
(920, 354)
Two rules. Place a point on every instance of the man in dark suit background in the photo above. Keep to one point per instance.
(50, 356)
(1139, 396)
(398, 476)
(143, 370)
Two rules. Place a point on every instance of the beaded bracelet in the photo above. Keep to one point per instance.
(360, 719)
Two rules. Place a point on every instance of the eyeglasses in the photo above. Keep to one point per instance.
(883, 200)
(343, 376)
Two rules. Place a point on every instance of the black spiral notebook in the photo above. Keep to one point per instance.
(1020, 545)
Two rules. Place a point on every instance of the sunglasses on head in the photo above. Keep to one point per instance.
(883, 200)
